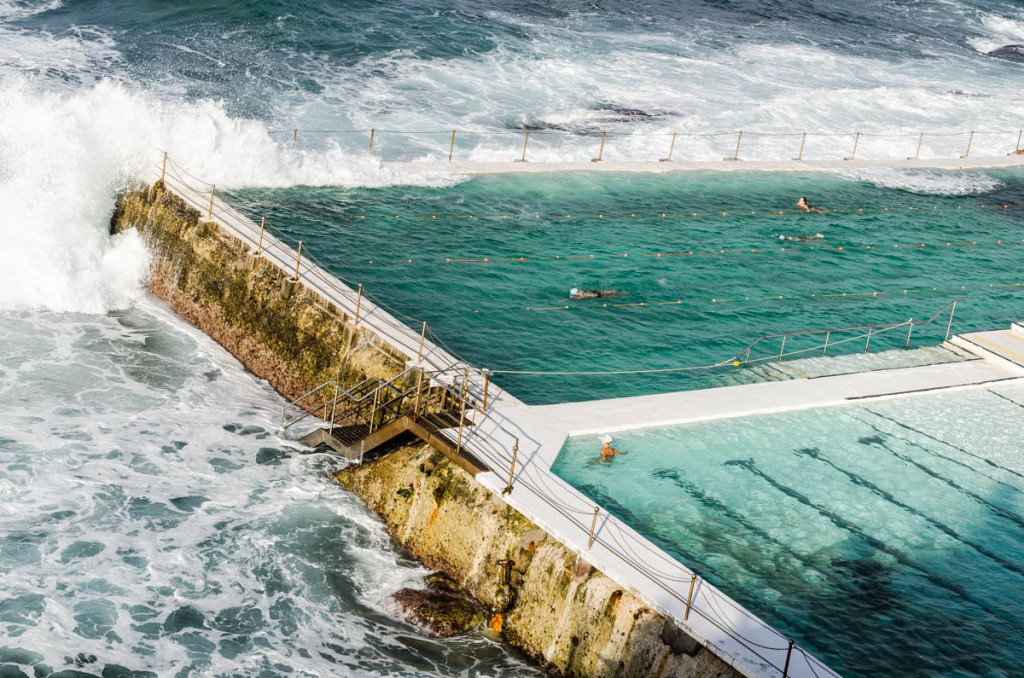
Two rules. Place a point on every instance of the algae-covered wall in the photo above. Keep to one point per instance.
(569, 617)
(210, 278)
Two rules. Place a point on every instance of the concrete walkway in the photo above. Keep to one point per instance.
(740, 165)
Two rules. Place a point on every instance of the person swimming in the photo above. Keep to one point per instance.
(577, 293)
(802, 204)
(606, 451)
(800, 238)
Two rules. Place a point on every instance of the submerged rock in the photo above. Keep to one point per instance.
(442, 609)
(1009, 52)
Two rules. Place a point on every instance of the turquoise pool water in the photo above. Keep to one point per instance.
(885, 538)
(478, 308)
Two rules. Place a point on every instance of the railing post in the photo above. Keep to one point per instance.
(298, 260)
(950, 325)
(600, 153)
(909, 331)
(423, 335)
(736, 154)
(868, 342)
(856, 140)
(782, 349)
(334, 409)
(487, 386)
(451, 148)
(1016, 146)
(295, 136)
(372, 132)
(419, 388)
(827, 335)
(689, 598)
(789, 654)
(512, 468)
(593, 525)
(917, 155)
(259, 245)
(373, 412)
(803, 140)
(970, 140)
(163, 170)
(213, 190)
(359, 302)
(671, 148)
(525, 142)
(462, 410)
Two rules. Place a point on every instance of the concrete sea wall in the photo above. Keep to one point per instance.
(570, 618)
(296, 341)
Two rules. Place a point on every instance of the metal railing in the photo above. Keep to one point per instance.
(871, 330)
(841, 145)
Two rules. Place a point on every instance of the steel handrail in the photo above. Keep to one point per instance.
(851, 328)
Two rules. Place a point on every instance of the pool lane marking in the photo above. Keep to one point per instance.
(934, 522)
(661, 255)
(951, 445)
(712, 300)
(935, 453)
(686, 215)
(852, 528)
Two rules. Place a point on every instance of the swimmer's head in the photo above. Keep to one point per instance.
(574, 292)
(605, 438)
(782, 237)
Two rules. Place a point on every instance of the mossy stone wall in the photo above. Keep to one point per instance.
(210, 278)
(570, 618)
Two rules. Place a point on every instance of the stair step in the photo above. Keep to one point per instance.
(350, 435)
(441, 420)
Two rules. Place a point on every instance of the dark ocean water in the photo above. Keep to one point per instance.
(151, 516)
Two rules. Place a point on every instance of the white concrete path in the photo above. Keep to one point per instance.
(705, 165)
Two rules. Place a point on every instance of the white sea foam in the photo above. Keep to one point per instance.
(999, 31)
(156, 482)
(64, 154)
(926, 182)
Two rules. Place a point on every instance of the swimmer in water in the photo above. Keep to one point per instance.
(800, 238)
(802, 204)
(577, 293)
(607, 452)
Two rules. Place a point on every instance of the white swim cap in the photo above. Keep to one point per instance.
(574, 291)
(605, 438)
(782, 237)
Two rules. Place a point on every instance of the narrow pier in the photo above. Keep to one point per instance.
(727, 165)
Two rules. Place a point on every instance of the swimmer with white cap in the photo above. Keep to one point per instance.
(577, 293)
(607, 451)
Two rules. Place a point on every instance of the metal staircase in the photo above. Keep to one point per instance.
(437, 407)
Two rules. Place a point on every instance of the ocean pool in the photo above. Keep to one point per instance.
(725, 300)
(884, 538)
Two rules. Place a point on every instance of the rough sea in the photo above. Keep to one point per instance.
(151, 517)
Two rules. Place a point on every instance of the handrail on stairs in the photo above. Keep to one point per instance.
(354, 399)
